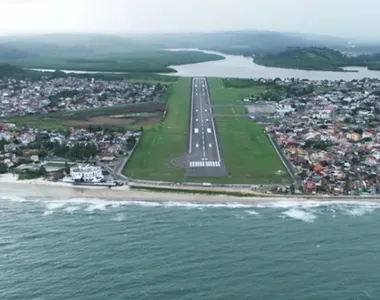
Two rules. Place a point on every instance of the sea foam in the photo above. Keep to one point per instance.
(299, 214)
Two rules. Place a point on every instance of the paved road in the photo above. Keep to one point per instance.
(204, 158)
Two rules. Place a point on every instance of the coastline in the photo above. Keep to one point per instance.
(11, 187)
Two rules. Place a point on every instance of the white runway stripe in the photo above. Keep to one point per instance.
(209, 164)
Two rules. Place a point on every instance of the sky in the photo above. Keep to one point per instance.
(345, 18)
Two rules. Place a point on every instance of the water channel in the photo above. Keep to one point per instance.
(244, 67)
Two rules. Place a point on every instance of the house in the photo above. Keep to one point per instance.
(354, 136)
(10, 147)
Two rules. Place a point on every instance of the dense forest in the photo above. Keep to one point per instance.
(316, 58)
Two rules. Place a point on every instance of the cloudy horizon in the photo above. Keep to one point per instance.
(349, 18)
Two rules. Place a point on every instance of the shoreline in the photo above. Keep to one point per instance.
(10, 186)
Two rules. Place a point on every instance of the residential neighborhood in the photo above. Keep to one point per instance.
(21, 97)
(332, 139)
(26, 150)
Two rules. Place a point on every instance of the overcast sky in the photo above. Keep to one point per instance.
(349, 18)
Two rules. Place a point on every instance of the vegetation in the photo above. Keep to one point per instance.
(3, 168)
(314, 58)
(102, 116)
(30, 174)
(157, 61)
(163, 142)
(310, 58)
(230, 110)
(248, 154)
(9, 53)
(239, 82)
(78, 152)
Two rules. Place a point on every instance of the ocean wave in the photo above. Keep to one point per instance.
(300, 214)
(317, 204)
(119, 218)
(252, 212)
(71, 209)
(358, 211)
(288, 208)
(48, 213)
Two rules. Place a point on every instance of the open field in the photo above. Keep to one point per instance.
(248, 154)
(165, 141)
(246, 150)
(223, 95)
(230, 110)
(145, 61)
(122, 116)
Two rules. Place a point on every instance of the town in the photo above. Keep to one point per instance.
(331, 140)
(21, 97)
(31, 153)
(327, 133)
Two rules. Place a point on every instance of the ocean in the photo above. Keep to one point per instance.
(95, 249)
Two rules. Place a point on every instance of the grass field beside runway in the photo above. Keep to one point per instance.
(248, 154)
(164, 141)
(222, 95)
(230, 110)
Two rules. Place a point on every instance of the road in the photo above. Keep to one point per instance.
(204, 158)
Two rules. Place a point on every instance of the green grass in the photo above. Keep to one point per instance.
(246, 150)
(164, 141)
(223, 95)
(248, 154)
(230, 110)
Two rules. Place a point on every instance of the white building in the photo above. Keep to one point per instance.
(86, 173)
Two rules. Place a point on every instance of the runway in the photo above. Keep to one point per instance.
(204, 158)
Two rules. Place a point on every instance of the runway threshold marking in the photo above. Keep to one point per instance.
(209, 164)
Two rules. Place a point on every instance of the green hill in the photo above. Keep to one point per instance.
(309, 58)
(10, 53)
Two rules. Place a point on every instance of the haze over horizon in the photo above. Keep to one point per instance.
(343, 18)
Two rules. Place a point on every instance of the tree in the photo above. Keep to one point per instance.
(42, 171)
(292, 189)
(67, 168)
(3, 168)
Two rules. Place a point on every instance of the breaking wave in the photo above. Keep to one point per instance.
(300, 214)
(306, 211)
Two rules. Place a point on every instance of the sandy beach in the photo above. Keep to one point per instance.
(10, 186)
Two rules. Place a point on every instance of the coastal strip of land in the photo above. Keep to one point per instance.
(39, 188)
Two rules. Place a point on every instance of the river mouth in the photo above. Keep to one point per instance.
(244, 67)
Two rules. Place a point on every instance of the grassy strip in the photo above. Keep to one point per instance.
(230, 110)
(246, 150)
(165, 141)
(248, 154)
(54, 120)
(220, 94)
(190, 191)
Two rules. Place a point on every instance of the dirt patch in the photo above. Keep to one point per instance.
(147, 121)
(149, 114)
(104, 120)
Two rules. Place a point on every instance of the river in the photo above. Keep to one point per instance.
(244, 67)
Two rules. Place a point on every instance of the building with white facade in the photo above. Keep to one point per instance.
(86, 173)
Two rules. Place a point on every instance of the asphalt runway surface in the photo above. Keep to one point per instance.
(204, 158)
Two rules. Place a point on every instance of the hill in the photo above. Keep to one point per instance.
(308, 58)
(242, 42)
(8, 52)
